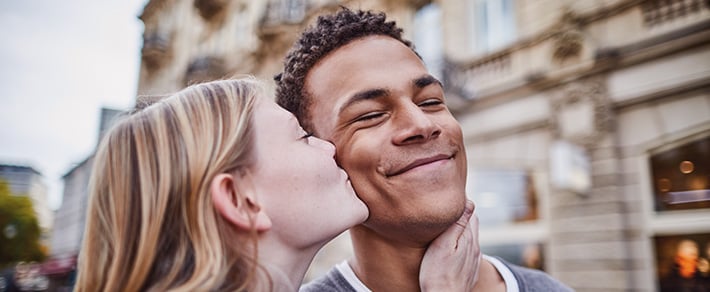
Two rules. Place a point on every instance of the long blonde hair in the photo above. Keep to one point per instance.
(151, 222)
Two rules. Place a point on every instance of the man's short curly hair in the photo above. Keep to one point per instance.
(328, 34)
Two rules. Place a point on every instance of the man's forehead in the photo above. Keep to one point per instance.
(358, 69)
(366, 54)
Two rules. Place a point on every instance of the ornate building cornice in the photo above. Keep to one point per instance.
(581, 111)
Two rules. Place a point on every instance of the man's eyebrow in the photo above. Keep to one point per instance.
(364, 95)
(426, 80)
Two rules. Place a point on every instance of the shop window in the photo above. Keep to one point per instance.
(681, 176)
(502, 196)
(683, 262)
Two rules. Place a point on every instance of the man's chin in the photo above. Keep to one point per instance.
(417, 230)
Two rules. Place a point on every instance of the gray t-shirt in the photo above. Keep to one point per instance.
(528, 280)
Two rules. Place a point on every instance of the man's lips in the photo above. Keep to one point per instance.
(420, 162)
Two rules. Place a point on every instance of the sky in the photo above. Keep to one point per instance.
(60, 63)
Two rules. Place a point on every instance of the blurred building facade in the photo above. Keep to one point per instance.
(587, 123)
(578, 117)
(191, 41)
(70, 218)
(26, 181)
(71, 215)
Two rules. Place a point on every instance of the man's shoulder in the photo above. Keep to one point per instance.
(531, 280)
(333, 281)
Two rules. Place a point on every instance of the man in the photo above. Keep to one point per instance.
(351, 79)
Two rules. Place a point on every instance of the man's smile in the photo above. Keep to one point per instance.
(420, 162)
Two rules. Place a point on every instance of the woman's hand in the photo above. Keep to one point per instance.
(452, 260)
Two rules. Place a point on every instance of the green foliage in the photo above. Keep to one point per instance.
(19, 222)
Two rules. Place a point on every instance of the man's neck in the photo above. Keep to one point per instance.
(385, 265)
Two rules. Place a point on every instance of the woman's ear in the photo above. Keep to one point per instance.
(235, 202)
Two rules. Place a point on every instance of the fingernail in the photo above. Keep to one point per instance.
(468, 210)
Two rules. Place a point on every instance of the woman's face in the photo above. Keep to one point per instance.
(307, 196)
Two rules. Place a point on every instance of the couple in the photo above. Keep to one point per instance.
(218, 188)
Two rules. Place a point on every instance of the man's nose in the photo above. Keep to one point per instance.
(414, 126)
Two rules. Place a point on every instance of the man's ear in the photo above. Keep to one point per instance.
(234, 199)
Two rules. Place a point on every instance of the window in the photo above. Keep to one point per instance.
(678, 199)
(494, 24)
(427, 38)
(294, 10)
(683, 262)
(285, 11)
(681, 176)
(502, 196)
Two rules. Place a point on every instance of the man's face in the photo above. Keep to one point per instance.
(374, 99)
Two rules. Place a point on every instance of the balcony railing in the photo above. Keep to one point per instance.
(656, 12)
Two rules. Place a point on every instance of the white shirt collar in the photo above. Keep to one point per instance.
(511, 285)
(349, 275)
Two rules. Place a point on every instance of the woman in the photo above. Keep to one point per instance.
(213, 188)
